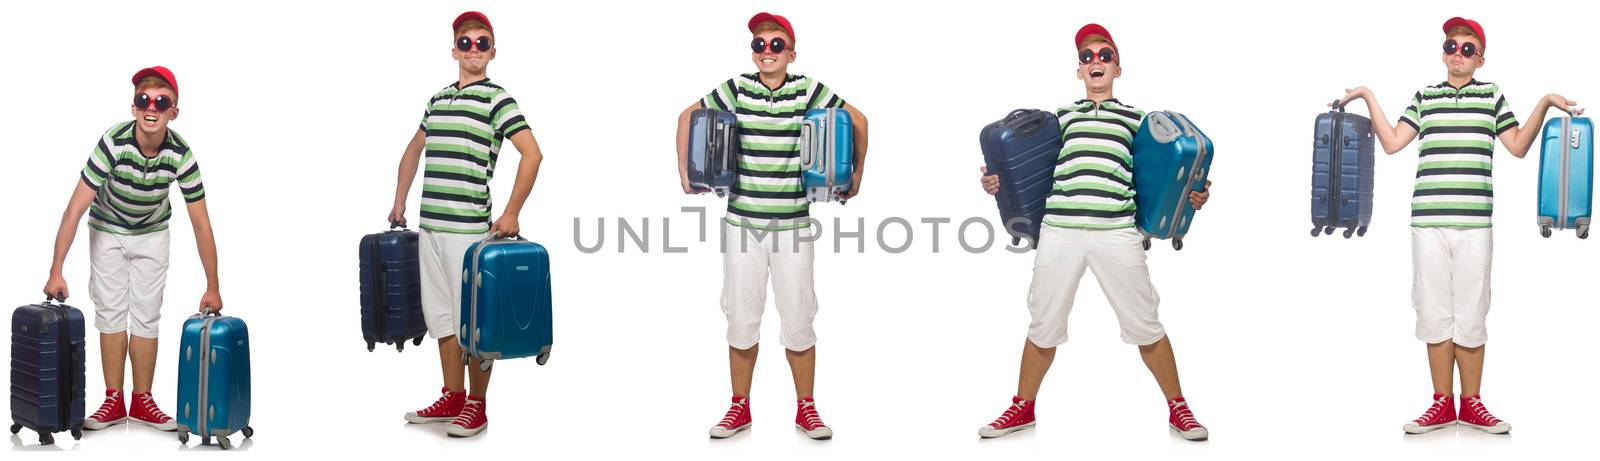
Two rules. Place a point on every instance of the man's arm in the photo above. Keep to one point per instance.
(1519, 139)
(408, 174)
(1394, 137)
(683, 147)
(56, 285)
(207, 245)
(858, 123)
(527, 173)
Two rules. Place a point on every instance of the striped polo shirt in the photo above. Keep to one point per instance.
(1094, 171)
(463, 129)
(767, 193)
(130, 189)
(1455, 160)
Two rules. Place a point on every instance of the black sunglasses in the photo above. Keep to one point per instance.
(144, 101)
(777, 46)
(1468, 49)
(1087, 56)
(464, 43)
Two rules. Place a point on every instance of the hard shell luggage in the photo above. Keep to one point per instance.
(827, 154)
(47, 370)
(1342, 173)
(1171, 157)
(1022, 149)
(713, 150)
(505, 301)
(391, 289)
(213, 379)
(1566, 176)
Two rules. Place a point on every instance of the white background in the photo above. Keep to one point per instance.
(1288, 345)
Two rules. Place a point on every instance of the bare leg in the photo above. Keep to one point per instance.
(480, 380)
(1441, 364)
(143, 353)
(803, 365)
(742, 368)
(450, 364)
(1159, 359)
(1470, 363)
(113, 358)
(1035, 363)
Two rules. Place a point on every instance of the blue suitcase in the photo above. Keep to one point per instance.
(713, 150)
(1022, 149)
(1171, 157)
(391, 289)
(505, 301)
(214, 379)
(1342, 173)
(827, 154)
(47, 366)
(1566, 176)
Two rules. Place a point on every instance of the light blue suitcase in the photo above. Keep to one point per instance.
(505, 301)
(1566, 176)
(214, 379)
(827, 154)
(1171, 157)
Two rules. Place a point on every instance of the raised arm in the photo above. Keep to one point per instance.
(1519, 139)
(1392, 137)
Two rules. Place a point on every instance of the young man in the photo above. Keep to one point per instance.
(768, 203)
(461, 133)
(1457, 122)
(124, 188)
(1089, 221)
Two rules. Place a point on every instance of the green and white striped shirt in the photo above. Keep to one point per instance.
(131, 189)
(463, 129)
(1094, 172)
(1455, 159)
(767, 192)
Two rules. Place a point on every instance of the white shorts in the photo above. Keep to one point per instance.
(1117, 259)
(441, 254)
(748, 261)
(1450, 283)
(127, 277)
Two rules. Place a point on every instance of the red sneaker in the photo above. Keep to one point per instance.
(111, 413)
(1439, 416)
(1017, 417)
(806, 419)
(1181, 419)
(474, 418)
(737, 419)
(144, 411)
(1475, 416)
(443, 410)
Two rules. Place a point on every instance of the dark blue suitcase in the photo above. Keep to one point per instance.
(214, 379)
(391, 289)
(47, 370)
(505, 301)
(1342, 173)
(1022, 149)
(1171, 158)
(1566, 176)
(713, 150)
(827, 154)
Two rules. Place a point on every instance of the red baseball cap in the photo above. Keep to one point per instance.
(1467, 23)
(157, 72)
(472, 16)
(765, 16)
(1093, 29)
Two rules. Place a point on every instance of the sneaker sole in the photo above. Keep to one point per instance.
(989, 432)
(717, 432)
(458, 431)
(1193, 435)
(822, 433)
(93, 425)
(1414, 428)
(414, 419)
(1499, 429)
(169, 426)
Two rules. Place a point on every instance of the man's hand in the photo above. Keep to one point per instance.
(1561, 102)
(211, 301)
(1198, 199)
(991, 183)
(687, 188)
(1351, 94)
(55, 287)
(398, 214)
(855, 186)
(506, 226)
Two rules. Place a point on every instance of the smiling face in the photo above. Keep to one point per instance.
(767, 61)
(150, 118)
(1097, 74)
(1458, 65)
(473, 61)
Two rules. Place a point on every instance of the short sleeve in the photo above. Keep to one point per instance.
(426, 111)
(189, 178)
(823, 97)
(99, 166)
(1503, 118)
(506, 116)
(721, 97)
(1413, 114)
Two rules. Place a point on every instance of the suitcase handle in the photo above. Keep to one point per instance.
(397, 225)
(1025, 130)
(1337, 106)
(496, 236)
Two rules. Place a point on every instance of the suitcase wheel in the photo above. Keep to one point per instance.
(1147, 244)
(248, 432)
(543, 358)
(15, 428)
(485, 365)
(1583, 232)
(1316, 231)
(371, 345)
(1328, 230)
(183, 438)
(400, 346)
(416, 341)
(1177, 244)
(45, 438)
(1544, 231)
(1361, 231)
(224, 443)
(1349, 232)
(77, 434)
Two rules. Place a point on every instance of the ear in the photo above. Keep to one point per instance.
(1080, 73)
(1482, 60)
(1117, 71)
(492, 52)
(793, 55)
(134, 111)
(172, 114)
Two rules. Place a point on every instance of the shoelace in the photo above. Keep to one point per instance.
(469, 413)
(808, 411)
(1476, 404)
(731, 419)
(110, 405)
(1433, 411)
(1006, 418)
(1186, 419)
(150, 409)
(437, 405)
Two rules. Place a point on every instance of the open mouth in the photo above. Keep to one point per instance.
(150, 119)
(1097, 73)
(769, 60)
